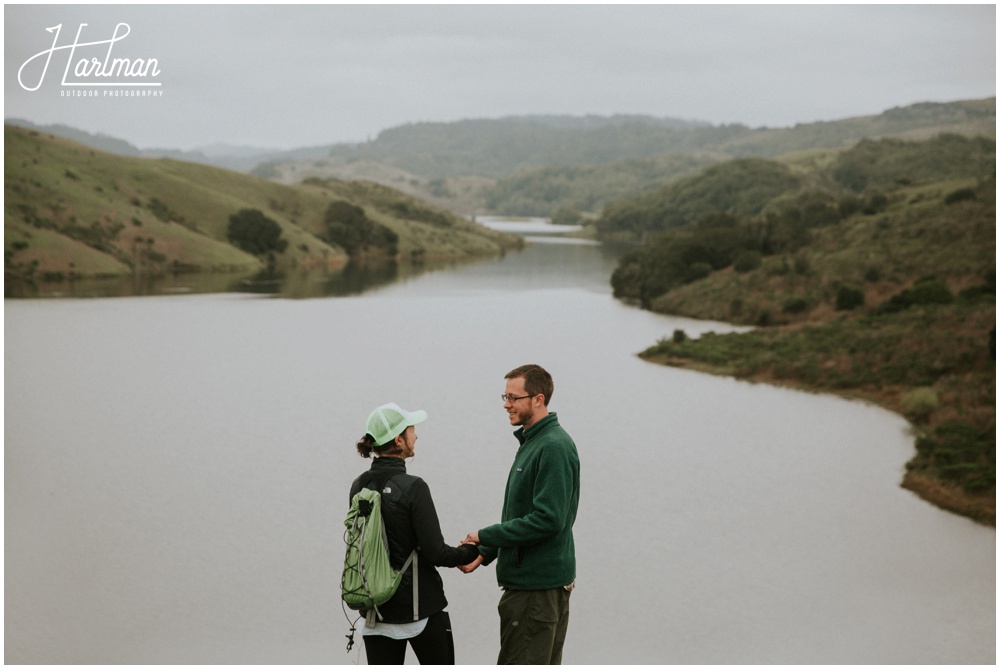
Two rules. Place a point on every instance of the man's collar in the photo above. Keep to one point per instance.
(522, 433)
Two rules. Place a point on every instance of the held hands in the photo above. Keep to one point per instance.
(471, 567)
(471, 538)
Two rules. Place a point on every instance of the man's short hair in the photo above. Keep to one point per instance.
(536, 380)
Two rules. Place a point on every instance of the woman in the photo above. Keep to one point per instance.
(410, 523)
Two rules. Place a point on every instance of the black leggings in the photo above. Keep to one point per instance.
(433, 646)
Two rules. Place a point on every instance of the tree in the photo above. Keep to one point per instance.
(348, 226)
(849, 298)
(566, 216)
(255, 233)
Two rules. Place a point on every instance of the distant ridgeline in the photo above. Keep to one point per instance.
(72, 211)
(497, 148)
(572, 166)
(537, 166)
(871, 271)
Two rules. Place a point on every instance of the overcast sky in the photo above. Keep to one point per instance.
(284, 77)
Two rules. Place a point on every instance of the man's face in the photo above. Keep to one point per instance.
(520, 411)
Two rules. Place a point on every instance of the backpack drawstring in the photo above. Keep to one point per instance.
(353, 624)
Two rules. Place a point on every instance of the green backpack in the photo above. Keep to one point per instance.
(368, 578)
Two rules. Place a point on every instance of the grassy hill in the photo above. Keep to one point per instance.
(73, 211)
(809, 180)
(462, 195)
(498, 147)
(238, 158)
(538, 165)
(871, 274)
(587, 188)
(739, 187)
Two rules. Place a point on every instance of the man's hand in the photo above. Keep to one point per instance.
(472, 538)
(471, 567)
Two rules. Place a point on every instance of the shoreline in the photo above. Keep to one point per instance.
(980, 509)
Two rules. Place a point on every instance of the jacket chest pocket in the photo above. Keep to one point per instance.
(520, 478)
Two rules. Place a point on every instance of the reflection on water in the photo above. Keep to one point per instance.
(355, 278)
(126, 286)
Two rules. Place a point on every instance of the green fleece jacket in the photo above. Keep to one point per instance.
(533, 543)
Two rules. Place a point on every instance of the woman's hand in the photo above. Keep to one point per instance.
(471, 567)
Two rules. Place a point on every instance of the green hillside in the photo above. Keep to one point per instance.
(587, 188)
(870, 272)
(499, 147)
(739, 187)
(803, 181)
(73, 211)
(540, 191)
(914, 122)
(535, 166)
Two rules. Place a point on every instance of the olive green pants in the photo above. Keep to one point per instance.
(533, 626)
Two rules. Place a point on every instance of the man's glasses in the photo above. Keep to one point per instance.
(512, 398)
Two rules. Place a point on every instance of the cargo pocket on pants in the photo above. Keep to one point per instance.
(528, 622)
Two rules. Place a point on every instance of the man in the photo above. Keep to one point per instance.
(533, 542)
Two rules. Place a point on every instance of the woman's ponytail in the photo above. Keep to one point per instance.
(366, 445)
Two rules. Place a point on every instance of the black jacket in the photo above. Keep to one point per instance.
(411, 522)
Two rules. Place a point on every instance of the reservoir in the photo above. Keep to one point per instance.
(177, 470)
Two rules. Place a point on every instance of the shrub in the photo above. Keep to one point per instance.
(960, 195)
(255, 233)
(874, 203)
(849, 298)
(747, 261)
(763, 318)
(925, 291)
(962, 452)
(566, 216)
(345, 212)
(680, 336)
(415, 212)
(795, 305)
(849, 205)
(778, 267)
(931, 291)
(919, 403)
(160, 209)
(696, 271)
(349, 227)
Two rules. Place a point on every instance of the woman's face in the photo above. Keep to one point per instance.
(406, 441)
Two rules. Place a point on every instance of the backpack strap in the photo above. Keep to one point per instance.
(414, 559)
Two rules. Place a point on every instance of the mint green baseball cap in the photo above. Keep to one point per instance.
(389, 420)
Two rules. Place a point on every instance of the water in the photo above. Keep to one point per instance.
(177, 467)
